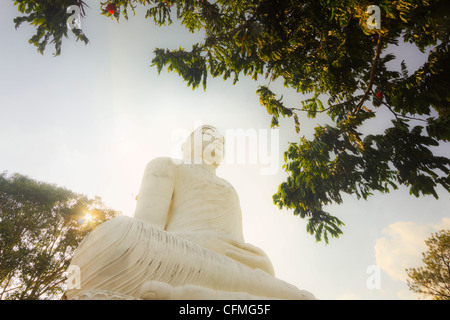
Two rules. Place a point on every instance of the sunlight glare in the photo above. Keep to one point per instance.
(88, 218)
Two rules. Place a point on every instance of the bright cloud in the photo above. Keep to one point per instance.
(402, 245)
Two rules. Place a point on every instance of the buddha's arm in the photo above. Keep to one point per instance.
(156, 191)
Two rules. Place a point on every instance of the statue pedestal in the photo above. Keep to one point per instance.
(155, 290)
(102, 295)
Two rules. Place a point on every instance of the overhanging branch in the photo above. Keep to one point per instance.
(372, 73)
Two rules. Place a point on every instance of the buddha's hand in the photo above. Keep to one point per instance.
(241, 252)
(251, 256)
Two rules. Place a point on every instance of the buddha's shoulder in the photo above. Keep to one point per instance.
(162, 165)
(163, 161)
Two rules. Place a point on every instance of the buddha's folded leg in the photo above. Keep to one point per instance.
(123, 253)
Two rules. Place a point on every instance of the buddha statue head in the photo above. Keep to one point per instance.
(205, 145)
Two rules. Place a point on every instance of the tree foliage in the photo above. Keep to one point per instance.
(40, 227)
(433, 279)
(50, 21)
(328, 53)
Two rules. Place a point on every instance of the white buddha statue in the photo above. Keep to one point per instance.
(185, 240)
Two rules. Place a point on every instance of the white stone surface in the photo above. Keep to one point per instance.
(185, 240)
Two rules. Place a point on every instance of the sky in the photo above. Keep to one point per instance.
(92, 118)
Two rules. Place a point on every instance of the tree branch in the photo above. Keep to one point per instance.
(372, 73)
(215, 39)
(385, 103)
(319, 111)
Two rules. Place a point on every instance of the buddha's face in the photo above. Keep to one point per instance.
(204, 145)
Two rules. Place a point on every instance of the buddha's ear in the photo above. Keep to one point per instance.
(186, 148)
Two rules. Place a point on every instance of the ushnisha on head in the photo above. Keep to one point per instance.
(205, 145)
